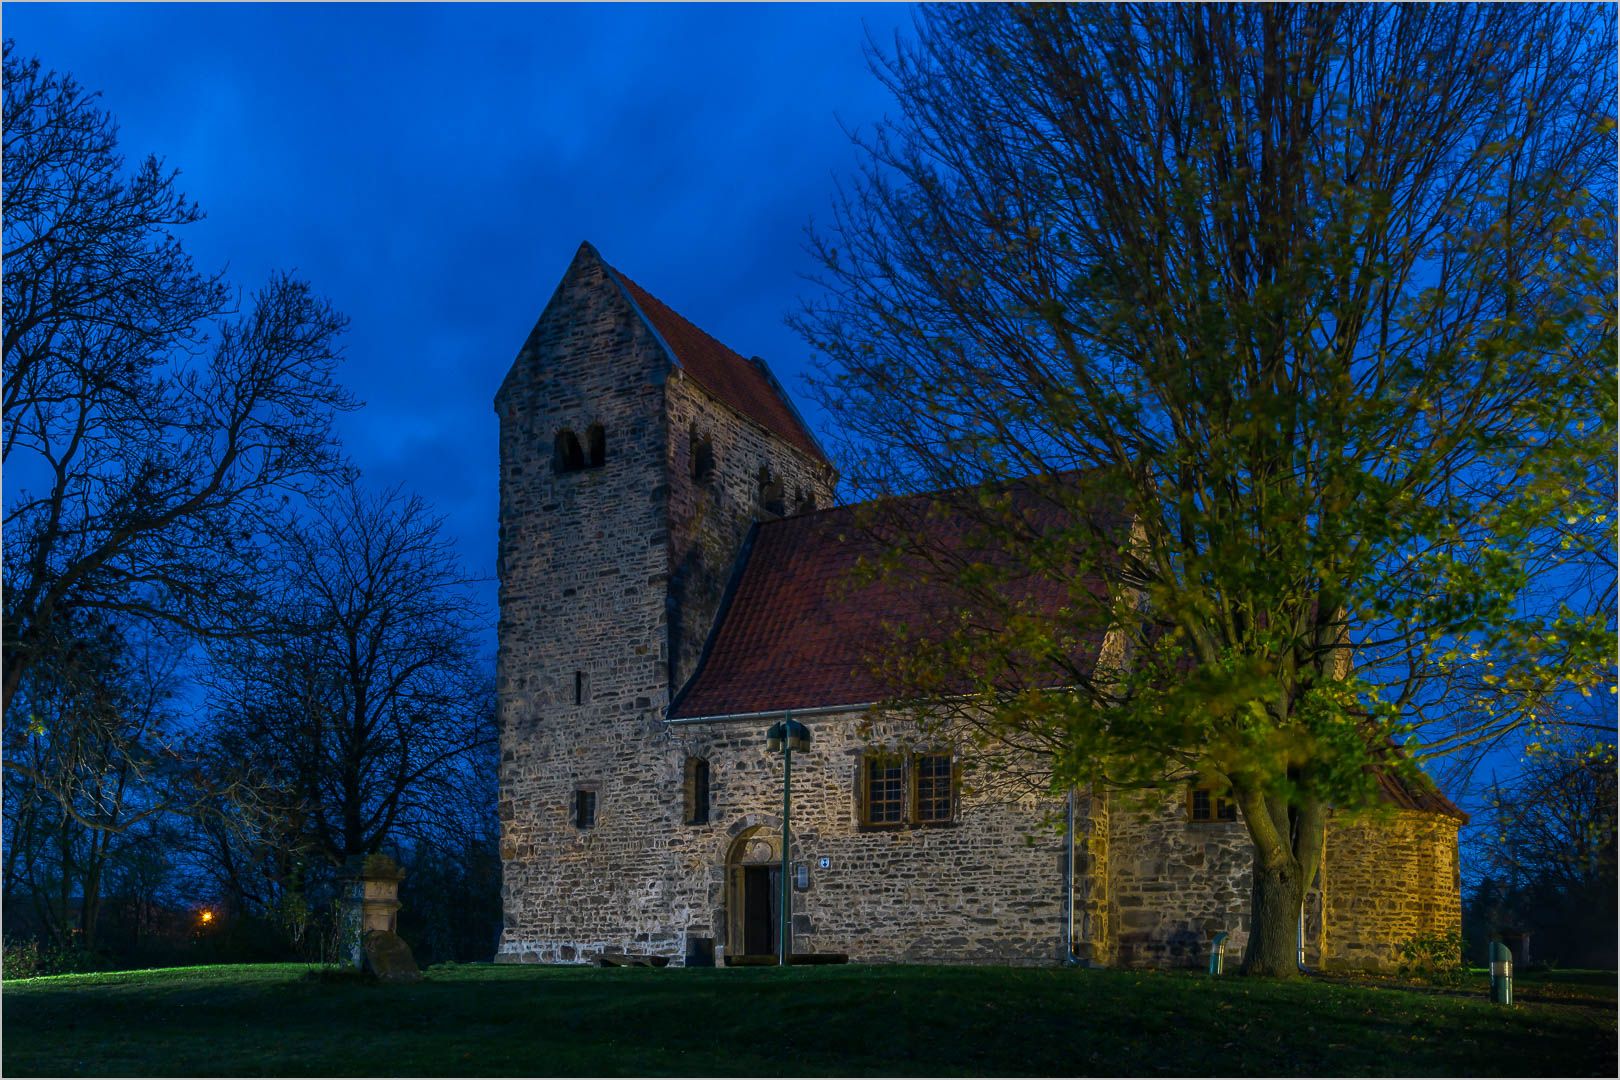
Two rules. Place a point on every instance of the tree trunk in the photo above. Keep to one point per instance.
(1288, 838)
(1279, 892)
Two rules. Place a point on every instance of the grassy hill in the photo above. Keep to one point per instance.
(483, 1020)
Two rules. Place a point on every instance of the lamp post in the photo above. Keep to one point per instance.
(786, 735)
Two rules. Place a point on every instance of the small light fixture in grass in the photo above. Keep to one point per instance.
(1217, 954)
(1501, 974)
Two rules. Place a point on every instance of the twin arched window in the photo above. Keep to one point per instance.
(572, 456)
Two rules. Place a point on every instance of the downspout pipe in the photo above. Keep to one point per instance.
(1299, 941)
(1067, 956)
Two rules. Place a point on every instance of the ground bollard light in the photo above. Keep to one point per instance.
(1501, 974)
(1217, 954)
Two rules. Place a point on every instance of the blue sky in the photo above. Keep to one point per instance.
(432, 168)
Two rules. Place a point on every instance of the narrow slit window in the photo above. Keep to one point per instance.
(584, 809)
(697, 791)
(579, 688)
(702, 456)
(596, 438)
(772, 498)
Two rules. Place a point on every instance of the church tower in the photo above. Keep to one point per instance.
(636, 451)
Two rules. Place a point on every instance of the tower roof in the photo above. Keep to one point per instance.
(745, 385)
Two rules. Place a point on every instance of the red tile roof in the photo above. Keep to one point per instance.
(1418, 792)
(743, 384)
(800, 630)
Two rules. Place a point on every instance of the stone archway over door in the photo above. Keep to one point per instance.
(753, 893)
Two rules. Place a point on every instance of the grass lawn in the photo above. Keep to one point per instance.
(529, 1021)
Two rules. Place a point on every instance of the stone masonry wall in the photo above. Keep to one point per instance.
(1391, 876)
(1386, 876)
(709, 518)
(987, 888)
(1175, 883)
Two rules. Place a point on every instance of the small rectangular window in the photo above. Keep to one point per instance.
(579, 688)
(884, 790)
(934, 789)
(1204, 805)
(584, 809)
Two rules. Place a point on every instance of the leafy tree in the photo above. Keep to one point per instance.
(1293, 324)
(148, 428)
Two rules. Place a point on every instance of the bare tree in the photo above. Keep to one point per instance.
(150, 429)
(1546, 852)
(1295, 320)
(360, 714)
(89, 745)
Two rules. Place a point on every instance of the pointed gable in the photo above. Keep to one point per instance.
(587, 293)
(745, 385)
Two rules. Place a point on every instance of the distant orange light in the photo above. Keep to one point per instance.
(206, 917)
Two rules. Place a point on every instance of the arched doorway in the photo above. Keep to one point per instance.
(753, 893)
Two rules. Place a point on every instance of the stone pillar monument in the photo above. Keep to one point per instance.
(369, 922)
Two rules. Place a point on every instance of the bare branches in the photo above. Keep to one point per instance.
(366, 708)
(152, 432)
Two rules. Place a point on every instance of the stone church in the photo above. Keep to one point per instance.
(674, 579)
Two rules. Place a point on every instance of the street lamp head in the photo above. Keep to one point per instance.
(789, 732)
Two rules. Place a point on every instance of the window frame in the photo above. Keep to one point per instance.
(910, 780)
(1221, 810)
(869, 760)
(951, 778)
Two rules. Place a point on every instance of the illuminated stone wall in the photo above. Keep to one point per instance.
(1175, 883)
(1390, 876)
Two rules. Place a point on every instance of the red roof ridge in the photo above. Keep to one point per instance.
(746, 384)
